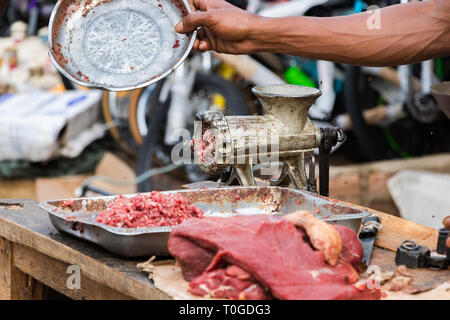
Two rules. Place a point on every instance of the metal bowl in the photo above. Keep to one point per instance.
(118, 45)
(79, 218)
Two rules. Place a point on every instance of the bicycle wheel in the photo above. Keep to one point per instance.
(115, 107)
(138, 113)
(156, 123)
(402, 138)
(206, 85)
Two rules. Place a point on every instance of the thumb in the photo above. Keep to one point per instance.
(446, 222)
(193, 20)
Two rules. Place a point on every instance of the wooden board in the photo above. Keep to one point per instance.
(167, 275)
(31, 227)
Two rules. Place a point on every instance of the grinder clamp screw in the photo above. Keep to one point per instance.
(411, 254)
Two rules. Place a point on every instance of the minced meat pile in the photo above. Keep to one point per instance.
(205, 149)
(153, 210)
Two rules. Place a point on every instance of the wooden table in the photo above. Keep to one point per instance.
(34, 255)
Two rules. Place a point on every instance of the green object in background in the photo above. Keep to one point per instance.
(379, 100)
(439, 67)
(294, 75)
(394, 145)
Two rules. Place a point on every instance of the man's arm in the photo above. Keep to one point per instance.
(407, 33)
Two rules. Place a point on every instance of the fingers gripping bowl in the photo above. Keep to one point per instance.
(118, 45)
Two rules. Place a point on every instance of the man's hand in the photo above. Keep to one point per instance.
(446, 223)
(224, 27)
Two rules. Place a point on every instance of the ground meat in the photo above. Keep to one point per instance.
(205, 149)
(153, 210)
(67, 203)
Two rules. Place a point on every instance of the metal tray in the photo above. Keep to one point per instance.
(118, 45)
(78, 219)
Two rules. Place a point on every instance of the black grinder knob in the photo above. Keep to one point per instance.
(412, 255)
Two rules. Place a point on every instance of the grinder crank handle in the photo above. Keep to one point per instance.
(446, 230)
(441, 247)
(330, 136)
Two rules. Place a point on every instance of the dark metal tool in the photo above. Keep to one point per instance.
(441, 248)
(413, 255)
(330, 137)
(368, 234)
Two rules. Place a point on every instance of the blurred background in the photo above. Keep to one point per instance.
(59, 140)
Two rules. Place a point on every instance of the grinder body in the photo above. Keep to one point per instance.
(284, 133)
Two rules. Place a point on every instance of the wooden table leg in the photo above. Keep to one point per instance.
(14, 284)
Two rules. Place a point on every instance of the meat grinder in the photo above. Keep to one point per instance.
(234, 145)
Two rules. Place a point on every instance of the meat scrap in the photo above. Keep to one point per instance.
(144, 211)
(402, 281)
(263, 256)
(67, 203)
(324, 237)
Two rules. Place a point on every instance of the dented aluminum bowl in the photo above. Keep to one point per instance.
(118, 45)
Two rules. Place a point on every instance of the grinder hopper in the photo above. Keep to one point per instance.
(288, 104)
